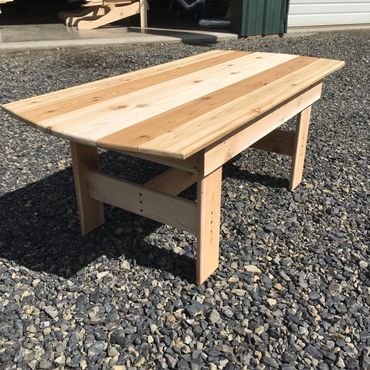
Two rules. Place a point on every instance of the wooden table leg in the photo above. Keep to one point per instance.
(299, 151)
(91, 213)
(209, 209)
(143, 14)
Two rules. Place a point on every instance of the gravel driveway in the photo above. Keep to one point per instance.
(124, 295)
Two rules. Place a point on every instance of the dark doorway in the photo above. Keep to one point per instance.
(162, 14)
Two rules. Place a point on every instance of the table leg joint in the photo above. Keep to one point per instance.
(91, 213)
(209, 214)
(299, 150)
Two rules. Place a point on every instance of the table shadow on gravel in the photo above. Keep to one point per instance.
(233, 171)
(40, 228)
(190, 38)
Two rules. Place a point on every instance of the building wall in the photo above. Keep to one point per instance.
(328, 12)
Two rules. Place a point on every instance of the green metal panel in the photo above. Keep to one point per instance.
(259, 17)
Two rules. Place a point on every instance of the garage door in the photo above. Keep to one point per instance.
(328, 12)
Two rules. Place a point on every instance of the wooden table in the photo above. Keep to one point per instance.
(192, 115)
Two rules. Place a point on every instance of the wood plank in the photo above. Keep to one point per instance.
(172, 181)
(300, 144)
(115, 13)
(212, 126)
(136, 136)
(57, 107)
(189, 165)
(143, 14)
(222, 151)
(104, 118)
(182, 139)
(109, 112)
(120, 2)
(110, 82)
(277, 141)
(167, 209)
(91, 213)
(209, 210)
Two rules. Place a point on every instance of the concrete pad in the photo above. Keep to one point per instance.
(45, 36)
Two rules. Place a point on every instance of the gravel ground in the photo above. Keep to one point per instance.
(292, 290)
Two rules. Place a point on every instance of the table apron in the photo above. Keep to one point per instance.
(227, 148)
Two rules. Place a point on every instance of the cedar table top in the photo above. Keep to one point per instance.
(174, 109)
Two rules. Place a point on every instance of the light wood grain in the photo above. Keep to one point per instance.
(50, 99)
(167, 209)
(277, 141)
(70, 18)
(208, 236)
(115, 12)
(201, 131)
(91, 213)
(134, 137)
(300, 144)
(104, 118)
(155, 90)
(220, 152)
(143, 14)
(172, 181)
(58, 107)
(179, 116)
(189, 165)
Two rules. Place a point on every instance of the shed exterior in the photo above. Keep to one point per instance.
(306, 13)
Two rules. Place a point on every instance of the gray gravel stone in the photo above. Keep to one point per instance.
(365, 358)
(270, 362)
(96, 349)
(288, 367)
(51, 311)
(45, 364)
(214, 316)
(194, 309)
(314, 352)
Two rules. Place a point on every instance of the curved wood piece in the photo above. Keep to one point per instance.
(115, 13)
(71, 19)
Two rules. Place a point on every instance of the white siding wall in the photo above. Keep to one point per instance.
(328, 12)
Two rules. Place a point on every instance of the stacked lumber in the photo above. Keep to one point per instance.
(98, 13)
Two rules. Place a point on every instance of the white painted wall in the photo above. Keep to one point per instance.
(304, 13)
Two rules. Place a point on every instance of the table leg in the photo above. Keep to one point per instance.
(299, 151)
(209, 209)
(91, 213)
(143, 14)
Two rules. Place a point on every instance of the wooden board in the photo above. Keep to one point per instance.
(299, 150)
(90, 211)
(222, 151)
(208, 237)
(177, 109)
(167, 209)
